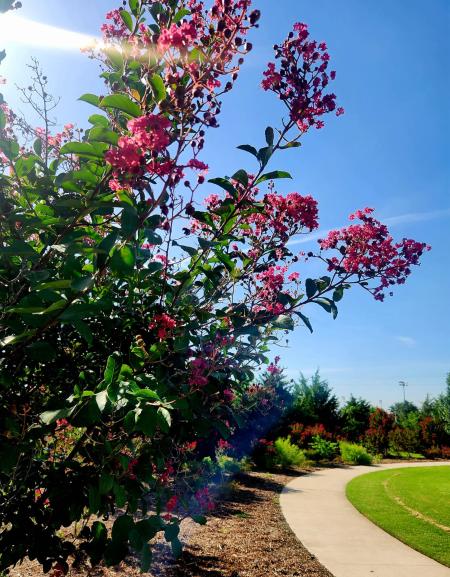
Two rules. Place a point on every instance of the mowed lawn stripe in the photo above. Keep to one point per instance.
(373, 496)
(427, 491)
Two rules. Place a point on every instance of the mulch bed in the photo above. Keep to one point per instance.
(246, 536)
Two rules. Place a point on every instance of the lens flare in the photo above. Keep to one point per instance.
(16, 30)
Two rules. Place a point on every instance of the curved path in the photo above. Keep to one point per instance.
(343, 540)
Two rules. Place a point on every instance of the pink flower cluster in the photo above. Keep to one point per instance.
(273, 368)
(149, 136)
(116, 28)
(301, 78)
(285, 215)
(178, 36)
(199, 368)
(369, 251)
(272, 282)
(164, 325)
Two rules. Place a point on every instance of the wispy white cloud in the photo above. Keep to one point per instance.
(407, 341)
(390, 220)
(417, 216)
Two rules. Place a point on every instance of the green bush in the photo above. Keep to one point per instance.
(287, 454)
(324, 449)
(355, 454)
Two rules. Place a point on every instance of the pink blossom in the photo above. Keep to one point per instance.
(301, 78)
(164, 324)
(228, 395)
(369, 251)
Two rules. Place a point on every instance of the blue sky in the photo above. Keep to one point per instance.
(389, 151)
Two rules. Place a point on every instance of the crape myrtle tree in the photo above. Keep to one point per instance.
(131, 317)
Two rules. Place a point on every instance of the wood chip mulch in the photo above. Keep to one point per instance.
(246, 536)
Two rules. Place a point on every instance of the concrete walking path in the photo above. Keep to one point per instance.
(343, 540)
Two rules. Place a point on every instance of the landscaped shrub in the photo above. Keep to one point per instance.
(287, 454)
(354, 417)
(135, 315)
(355, 454)
(376, 438)
(314, 402)
(445, 452)
(263, 454)
(303, 435)
(403, 440)
(324, 449)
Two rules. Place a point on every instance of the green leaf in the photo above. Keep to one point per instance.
(225, 184)
(18, 248)
(177, 547)
(102, 134)
(37, 146)
(146, 558)
(94, 499)
(123, 260)
(49, 417)
(146, 421)
(10, 148)
(54, 284)
(264, 155)
(99, 120)
(14, 339)
(338, 294)
(273, 176)
(189, 249)
(292, 144)
(146, 394)
(327, 305)
(269, 135)
(106, 245)
(83, 149)
(106, 483)
(83, 283)
(311, 287)
(158, 88)
(90, 99)
(305, 320)
(99, 532)
(152, 237)
(171, 531)
(108, 375)
(2, 119)
(180, 15)
(101, 399)
(123, 103)
(127, 19)
(121, 528)
(84, 331)
(247, 148)
(134, 7)
(241, 176)
(164, 419)
(200, 519)
(120, 494)
(284, 322)
(129, 221)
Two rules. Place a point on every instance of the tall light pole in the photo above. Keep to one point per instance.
(404, 385)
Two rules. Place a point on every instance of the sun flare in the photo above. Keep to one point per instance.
(15, 30)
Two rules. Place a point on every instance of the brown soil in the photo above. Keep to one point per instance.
(246, 536)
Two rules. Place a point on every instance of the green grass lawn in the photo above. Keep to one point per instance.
(412, 504)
